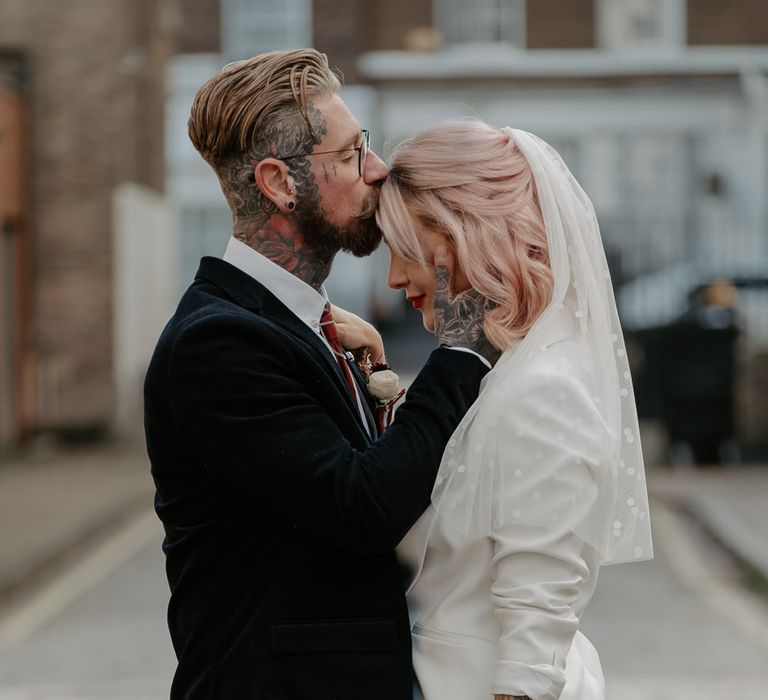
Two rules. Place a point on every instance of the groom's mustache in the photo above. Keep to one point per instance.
(368, 209)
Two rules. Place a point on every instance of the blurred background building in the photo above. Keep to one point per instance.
(660, 108)
(83, 217)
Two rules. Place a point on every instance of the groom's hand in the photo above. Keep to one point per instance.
(356, 333)
(459, 317)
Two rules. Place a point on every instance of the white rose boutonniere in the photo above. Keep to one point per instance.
(383, 385)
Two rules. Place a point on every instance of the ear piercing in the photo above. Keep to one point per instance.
(291, 205)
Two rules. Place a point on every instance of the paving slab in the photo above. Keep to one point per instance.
(52, 504)
(731, 502)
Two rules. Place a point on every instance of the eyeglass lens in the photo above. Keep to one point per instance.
(362, 154)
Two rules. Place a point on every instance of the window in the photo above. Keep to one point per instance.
(481, 21)
(641, 23)
(250, 27)
(644, 210)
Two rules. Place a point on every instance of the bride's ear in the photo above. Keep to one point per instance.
(460, 280)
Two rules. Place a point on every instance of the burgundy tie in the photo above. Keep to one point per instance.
(328, 326)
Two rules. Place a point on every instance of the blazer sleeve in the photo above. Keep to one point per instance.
(239, 394)
(540, 564)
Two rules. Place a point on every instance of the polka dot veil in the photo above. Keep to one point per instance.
(568, 458)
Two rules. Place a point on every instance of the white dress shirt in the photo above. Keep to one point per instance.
(298, 297)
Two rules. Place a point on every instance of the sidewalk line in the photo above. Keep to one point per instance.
(729, 601)
(90, 569)
(746, 543)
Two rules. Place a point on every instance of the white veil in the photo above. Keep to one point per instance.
(612, 501)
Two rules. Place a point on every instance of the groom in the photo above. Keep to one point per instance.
(281, 506)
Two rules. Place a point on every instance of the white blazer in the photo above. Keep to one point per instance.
(500, 614)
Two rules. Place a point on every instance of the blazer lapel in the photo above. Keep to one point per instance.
(362, 387)
(296, 327)
(254, 296)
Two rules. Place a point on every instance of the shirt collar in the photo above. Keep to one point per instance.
(301, 299)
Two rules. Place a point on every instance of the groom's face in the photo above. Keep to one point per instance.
(337, 211)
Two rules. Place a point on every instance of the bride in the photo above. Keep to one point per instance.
(543, 480)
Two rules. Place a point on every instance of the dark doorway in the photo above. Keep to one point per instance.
(13, 252)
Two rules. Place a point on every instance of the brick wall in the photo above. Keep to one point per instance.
(346, 28)
(200, 30)
(555, 24)
(719, 22)
(341, 28)
(95, 98)
(393, 19)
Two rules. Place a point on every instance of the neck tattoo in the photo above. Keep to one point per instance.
(280, 240)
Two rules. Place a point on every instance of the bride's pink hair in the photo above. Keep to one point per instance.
(470, 182)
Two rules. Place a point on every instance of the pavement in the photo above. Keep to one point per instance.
(729, 502)
(65, 500)
(55, 502)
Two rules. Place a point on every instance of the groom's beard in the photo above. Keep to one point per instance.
(360, 237)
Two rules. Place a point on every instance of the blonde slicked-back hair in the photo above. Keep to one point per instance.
(470, 182)
(232, 110)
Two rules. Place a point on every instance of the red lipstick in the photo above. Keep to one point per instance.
(418, 301)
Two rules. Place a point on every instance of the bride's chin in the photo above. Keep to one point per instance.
(429, 322)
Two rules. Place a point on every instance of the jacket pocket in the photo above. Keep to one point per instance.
(358, 636)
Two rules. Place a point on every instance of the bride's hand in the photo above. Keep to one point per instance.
(355, 333)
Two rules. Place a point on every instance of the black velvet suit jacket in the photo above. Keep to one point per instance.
(281, 515)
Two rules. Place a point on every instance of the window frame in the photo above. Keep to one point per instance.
(443, 10)
(610, 34)
(244, 18)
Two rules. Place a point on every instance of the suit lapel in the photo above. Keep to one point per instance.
(278, 313)
(254, 296)
(365, 397)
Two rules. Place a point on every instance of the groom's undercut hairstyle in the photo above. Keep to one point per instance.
(261, 105)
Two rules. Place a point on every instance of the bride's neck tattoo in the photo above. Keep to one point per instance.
(257, 220)
(460, 319)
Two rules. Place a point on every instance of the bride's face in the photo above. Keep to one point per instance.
(418, 281)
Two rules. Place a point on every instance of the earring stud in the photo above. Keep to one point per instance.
(291, 205)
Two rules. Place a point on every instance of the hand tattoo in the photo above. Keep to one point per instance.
(459, 318)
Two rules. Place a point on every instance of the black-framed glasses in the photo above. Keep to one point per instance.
(362, 152)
